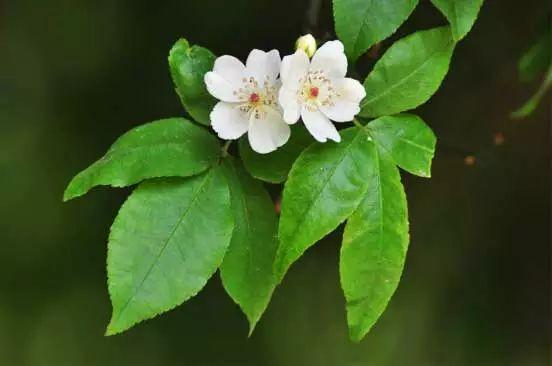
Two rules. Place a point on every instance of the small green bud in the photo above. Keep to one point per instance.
(306, 43)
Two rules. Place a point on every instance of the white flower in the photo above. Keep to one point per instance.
(248, 100)
(318, 91)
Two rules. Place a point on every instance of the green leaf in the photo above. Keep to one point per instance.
(246, 270)
(409, 73)
(374, 248)
(407, 139)
(360, 23)
(188, 66)
(168, 239)
(529, 107)
(536, 59)
(461, 14)
(325, 185)
(168, 147)
(274, 167)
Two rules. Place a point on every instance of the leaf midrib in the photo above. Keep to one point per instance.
(167, 241)
(319, 192)
(380, 203)
(403, 80)
(364, 21)
(363, 299)
(245, 209)
(128, 150)
(407, 141)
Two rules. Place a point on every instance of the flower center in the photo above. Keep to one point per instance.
(255, 98)
(316, 90)
(313, 91)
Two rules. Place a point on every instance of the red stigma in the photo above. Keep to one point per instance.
(254, 98)
(313, 92)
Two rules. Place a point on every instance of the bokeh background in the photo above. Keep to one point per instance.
(75, 74)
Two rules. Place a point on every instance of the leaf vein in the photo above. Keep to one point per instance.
(165, 244)
(402, 81)
(323, 186)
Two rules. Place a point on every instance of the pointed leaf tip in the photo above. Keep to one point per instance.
(246, 271)
(168, 239)
(375, 243)
(325, 185)
(164, 148)
(408, 141)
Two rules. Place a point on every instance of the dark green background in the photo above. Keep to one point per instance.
(74, 75)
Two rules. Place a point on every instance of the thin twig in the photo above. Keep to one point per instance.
(313, 11)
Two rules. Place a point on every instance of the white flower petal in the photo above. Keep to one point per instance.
(261, 64)
(346, 106)
(230, 68)
(220, 88)
(319, 126)
(269, 133)
(350, 89)
(331, 59)
(290, 105)
(341, 111)
(228, 121)
(294, 67)
(225, 78)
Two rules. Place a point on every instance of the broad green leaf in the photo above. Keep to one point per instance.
(362, 23)
(168, 147)
(325, 185)
(409, 73)
(188, 66)
(536, 59)
(407, 139)
(461, 14)
(169, 237)
(246, 270)
(374, 248)
(274, 167)
(529, 107)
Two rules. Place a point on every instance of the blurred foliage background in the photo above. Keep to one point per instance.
(75, 74)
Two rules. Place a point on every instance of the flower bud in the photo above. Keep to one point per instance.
(306, 43)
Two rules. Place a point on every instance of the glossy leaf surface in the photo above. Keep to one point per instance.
(407, 139)
(246, 271)
(325, 185)
(188, 66)
(461, 14)
(164, 148)
(409, 73)
(168, 239)
(374, 247)
(360, 24)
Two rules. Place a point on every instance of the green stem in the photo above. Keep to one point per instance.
(357, 123)
(225, 148)
(362, 127)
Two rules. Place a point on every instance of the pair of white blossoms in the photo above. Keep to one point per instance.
(253, 99)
